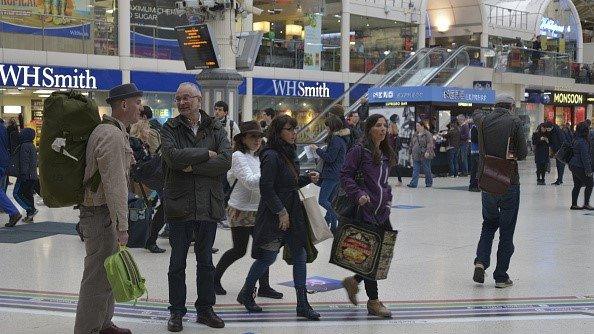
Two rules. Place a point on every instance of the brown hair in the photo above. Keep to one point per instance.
(384, 147)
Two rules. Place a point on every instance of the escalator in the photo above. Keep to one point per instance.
(427, 67)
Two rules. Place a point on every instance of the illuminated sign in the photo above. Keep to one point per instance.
(396, 104)
(568, 98)
(198, 49)
(550, 27)
(464, 104)
(31, 76)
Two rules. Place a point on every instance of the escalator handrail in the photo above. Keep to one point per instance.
(357, 103)
(397, 82)
(341, 97)
(450, 59)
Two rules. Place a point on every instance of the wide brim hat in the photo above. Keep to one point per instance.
(122, 92)
(249, 127)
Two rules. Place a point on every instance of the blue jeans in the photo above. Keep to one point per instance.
(180, 237)
(425, 164)
(463, 153)
(260, 266)
(453, 160)
(327, 191)
(23, 194)
(499, 213)
(6, 204)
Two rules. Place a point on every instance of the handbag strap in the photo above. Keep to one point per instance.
(291, 167)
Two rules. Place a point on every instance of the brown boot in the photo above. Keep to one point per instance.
(375, 307)
(352, 288)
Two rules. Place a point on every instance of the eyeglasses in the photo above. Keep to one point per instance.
(187, 98)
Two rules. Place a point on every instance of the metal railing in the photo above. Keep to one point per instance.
(460, 59)
(508, 18)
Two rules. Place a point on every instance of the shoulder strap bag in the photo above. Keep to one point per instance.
(496, 173)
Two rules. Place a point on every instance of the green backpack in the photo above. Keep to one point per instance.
(124, 277)
(69, 118)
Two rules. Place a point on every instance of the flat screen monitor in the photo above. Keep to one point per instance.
(198, 47)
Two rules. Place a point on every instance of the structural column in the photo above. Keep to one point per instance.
(124, 38)
(345, 45)
(422, 32)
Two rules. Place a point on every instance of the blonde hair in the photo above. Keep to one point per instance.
(141, 130)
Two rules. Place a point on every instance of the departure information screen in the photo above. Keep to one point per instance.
(197, 47)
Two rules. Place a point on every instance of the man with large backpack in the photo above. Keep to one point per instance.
(104, 210)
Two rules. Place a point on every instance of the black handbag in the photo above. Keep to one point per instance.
(343, 205)
(565, 153)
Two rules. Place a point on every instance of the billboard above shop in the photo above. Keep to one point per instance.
(297, 88)
(399, 96)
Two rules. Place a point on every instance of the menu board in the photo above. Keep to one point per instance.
(36, 118)
(198, 49)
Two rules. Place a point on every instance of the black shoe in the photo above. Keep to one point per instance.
(411, 186)
(573, 207)
(218, 288)
(155, 249)
(268, 292)
(175, 323)
(587, 207)
(557, 183)
(503, 285)
(479, 274)
(305, 310)
(210, 319)
(246, 298)
(214, 250)
(13, 220)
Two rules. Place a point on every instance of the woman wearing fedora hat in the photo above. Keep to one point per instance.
(244, 178)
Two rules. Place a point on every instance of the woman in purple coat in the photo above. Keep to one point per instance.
(364, 177)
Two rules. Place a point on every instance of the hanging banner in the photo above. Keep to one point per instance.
(57, 18)
(312, 51)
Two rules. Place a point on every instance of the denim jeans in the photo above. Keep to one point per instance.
(261, 265)
(560, 170)
(500, 212)
(327, 191)
(425, 164)
(453, 160)
(180, 236)
(474, 161)
(6, 204)
(23, 194)
(463, 153)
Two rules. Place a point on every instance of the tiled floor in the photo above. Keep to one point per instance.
(430, 287)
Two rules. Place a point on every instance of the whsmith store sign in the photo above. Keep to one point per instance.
(31, 76)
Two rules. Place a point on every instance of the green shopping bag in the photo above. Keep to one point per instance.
(124, 277)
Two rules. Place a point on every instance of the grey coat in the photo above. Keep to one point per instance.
(422, 143)
(195, 195)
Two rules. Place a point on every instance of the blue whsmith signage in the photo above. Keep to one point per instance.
(431, 94)
(32, 76)
(297, 88)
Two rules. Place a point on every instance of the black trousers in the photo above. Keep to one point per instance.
(580, 179)
(370, 287)
(156, 225)
(180, 237)
(474, 161)
(241, 236)
(541, 171)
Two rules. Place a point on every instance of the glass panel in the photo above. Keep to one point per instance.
(82, 26)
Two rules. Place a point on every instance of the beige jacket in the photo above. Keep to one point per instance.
(108, 150)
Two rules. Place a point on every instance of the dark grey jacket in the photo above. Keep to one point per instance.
(499, 125)
(195, 195)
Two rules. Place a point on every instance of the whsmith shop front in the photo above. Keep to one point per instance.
(560, 107)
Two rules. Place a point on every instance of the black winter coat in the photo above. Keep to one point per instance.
(279, 190)
(195, 195)
(541, 148)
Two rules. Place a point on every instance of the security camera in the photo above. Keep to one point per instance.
(194, 4)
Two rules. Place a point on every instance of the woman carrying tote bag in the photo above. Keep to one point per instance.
(244, 177)
(372, 159)
(280, 220)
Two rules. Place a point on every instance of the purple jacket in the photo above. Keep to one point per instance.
(375, 183)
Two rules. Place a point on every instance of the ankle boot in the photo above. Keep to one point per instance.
(305, 310)
(377, 308)
(266, 291)
(246, 298)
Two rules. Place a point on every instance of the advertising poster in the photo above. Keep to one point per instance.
(58, 18)
(153, 25)
(312, 51)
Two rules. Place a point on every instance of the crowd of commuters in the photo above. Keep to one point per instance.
(216, 170)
